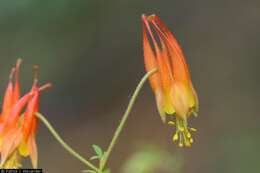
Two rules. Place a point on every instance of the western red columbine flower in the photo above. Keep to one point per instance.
(18, 128)
(174, 92)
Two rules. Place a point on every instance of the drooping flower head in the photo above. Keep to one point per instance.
(174, 92)
(18, 127)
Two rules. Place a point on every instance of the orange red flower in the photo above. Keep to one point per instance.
(18, 127)
(174, 91)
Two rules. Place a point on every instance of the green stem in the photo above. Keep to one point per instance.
(65, 146)
(124, 118)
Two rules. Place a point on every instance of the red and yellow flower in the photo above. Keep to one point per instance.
(18, 128)
(174, 92)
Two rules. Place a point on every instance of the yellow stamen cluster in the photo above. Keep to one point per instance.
(182, 132)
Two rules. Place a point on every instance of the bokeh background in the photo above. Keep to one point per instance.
(92, 53)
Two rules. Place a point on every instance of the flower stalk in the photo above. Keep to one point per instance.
(64, 144)
(125, 117)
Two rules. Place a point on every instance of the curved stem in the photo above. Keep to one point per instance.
(124, 118)
(64, 144)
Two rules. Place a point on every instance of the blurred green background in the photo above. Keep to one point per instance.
(91, 50)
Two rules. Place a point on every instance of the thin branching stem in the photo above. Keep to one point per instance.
(124, 119)
(64, 144)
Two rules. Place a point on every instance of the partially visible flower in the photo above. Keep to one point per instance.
(174, 92)
(18, 128)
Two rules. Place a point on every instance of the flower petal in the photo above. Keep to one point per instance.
(150, 61)
(17, 81)
(160, 105)
(8, 101)
(29, 115)
(179, 65)
(16, 111)
(10, 142)
(33, 151)
(164, 68)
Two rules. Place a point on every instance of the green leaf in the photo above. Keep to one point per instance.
(98, 150)
(89, 171)
(94, 157)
